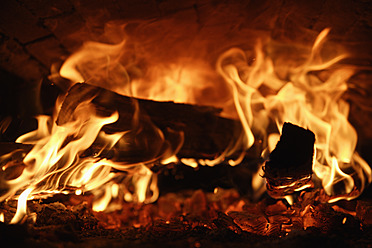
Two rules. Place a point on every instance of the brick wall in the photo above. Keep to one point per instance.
(34, 34)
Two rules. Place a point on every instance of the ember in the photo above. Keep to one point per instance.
(250, 142)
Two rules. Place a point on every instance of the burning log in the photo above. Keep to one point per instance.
(11, 161)
(151, 125)
(289, 167)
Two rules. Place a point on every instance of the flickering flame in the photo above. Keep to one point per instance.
(258, 184)
(305, 99)
(22, 206)
(271, 88)
(56, 163)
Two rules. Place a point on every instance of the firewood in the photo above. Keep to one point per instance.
(290, 164)
(16, 149)
(11, 161)
(205, 133)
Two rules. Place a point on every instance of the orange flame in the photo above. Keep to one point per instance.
(55, 163)
(268, 89)
(303, 99)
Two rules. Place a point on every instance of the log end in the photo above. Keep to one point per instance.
(290, 164)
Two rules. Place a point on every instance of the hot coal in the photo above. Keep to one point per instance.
(190, 219)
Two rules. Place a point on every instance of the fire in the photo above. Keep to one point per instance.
(306, 92)
(304, 99)
(55, 164)
(21, 207)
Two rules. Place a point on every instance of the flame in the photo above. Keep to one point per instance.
(112, 66)
(22, 206)
(56, 163)
(258, 184)
(104, 60)
(305, 99)
(270, 88)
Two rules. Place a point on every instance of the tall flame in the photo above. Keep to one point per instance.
(305, 99)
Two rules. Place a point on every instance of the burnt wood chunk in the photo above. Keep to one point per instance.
(290, 163)
(200, 129)
(293, 154)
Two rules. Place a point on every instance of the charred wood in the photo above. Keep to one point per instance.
(200, 130)
(290, 164)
